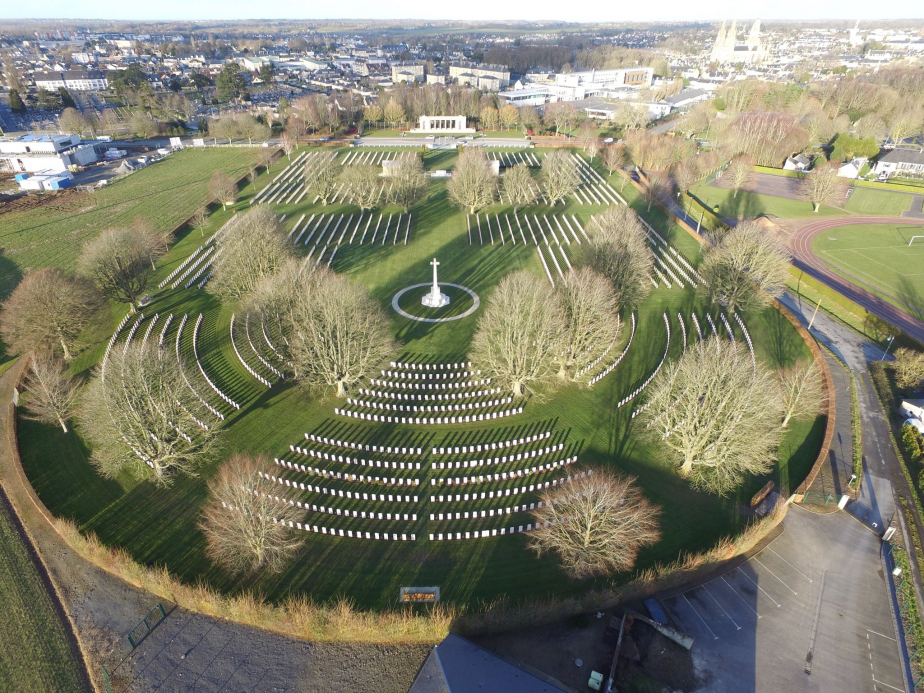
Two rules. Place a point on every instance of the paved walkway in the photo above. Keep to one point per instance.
(915, 212)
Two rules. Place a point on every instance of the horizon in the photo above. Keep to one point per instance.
(583, 12)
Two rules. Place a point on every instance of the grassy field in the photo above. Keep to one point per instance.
(35, 654)
(159, 526)
(879, 255)
(878, 202)
(748, 204)
(165, 194)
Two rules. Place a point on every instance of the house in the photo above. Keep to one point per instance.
(912, 409)
(457, 665)
(797, 162)
(407, 71)
(851, 169)
(903, 162)
(77, 80)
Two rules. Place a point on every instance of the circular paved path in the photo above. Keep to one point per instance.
(806, 260)
(394, 303)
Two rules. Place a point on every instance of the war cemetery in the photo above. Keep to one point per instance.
(377, 376)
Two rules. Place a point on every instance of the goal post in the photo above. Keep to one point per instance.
(912, 239)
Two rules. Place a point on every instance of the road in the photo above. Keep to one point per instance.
(418, 141)
(805, 259)
(817, 597)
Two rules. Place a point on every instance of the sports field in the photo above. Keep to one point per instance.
(388, 252)
(878, 255)
(749, 205)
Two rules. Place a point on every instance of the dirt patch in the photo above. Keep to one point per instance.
(23, 202)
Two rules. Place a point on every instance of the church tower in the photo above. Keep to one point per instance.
(753, 42)
(732, 39)
(719, 45)
(855, 39)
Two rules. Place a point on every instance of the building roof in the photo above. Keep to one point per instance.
(69, 75)
(686, 95)
(457, 665)
(903, 156)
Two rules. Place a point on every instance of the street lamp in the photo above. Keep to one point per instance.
(888, 346)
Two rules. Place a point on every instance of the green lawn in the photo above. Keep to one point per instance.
(749, 205)
(35, 654)
(879, 255)
(165, 194)
(879, 202)
(159, 526)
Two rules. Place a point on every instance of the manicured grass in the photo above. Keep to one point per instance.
(160, 526)
(749, 205)
(879, 202)
(165, 194)
(879, 255)
(35, 654)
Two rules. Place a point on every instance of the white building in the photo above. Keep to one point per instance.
(47, 153)
(905, 162)
(76, 80)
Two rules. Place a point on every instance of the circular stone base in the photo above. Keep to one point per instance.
(476, 303)
(431, 301)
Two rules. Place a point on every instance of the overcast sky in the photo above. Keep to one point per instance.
(472, 10)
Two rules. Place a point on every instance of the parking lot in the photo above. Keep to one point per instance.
(809, 612)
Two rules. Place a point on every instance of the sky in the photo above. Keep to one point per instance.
(470, 10)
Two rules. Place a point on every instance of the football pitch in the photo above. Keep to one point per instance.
(883, 256)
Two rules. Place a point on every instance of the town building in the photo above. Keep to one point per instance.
(407, 71)
(76, 80)
(485, 77)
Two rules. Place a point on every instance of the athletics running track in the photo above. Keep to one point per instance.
(804, 259)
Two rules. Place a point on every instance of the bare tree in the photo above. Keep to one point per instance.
(801, 388)
(909, 368)
(334, 332)
(144, 418)
(822, 186)
(716, 414)
(519, 187)
(223, 189)
(200, 220)
(509, 116)
(252, 249)
(363, 185)
(745, 268)
(596, 524)
(120, 261)
(592, 316)
(658, 189)
(562, 115)
(53, 393)
(685, 175)
(287, 142)
(265, 156)
(246, 521)
(588, 134)
(46, 311)
(520, 333)
(373, 114)
(322, 173)
(70, 120)
(741, 172)
(394, 113)
(559, 175)
(408, 181)
(613, 157)
(619, 252)
(110, 121)
(473, 184)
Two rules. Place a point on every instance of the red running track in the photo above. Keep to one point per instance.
(806, 260)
